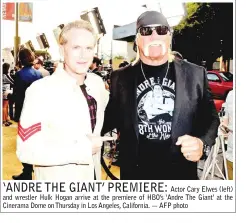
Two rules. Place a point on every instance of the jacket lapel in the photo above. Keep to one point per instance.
(180, 79)
(133, 102)
(129, 94)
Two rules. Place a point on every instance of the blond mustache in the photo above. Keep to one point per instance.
(155, 42)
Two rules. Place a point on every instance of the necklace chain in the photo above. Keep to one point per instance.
(141, 64)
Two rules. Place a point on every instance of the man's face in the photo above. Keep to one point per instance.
(79, 50)
(157, 91)
(154, 46)
(93, 66)
(36, 65)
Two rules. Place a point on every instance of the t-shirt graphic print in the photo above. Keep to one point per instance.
(155, 106)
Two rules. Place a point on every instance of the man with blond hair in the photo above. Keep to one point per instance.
(63, 142)
(167, 146)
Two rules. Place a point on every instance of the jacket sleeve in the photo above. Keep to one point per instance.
(209, 116)
(111, 119)
(40, 143)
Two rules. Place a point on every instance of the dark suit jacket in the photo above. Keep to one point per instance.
(194, 114)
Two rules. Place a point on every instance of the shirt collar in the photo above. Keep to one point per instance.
(65, 76)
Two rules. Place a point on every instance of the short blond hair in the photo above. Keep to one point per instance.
(78, 24)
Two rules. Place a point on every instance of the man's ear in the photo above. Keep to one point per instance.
(61, 50)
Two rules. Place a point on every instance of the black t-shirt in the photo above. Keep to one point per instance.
(155, 108)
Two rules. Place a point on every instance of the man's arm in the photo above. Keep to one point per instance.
(209, 115)
(40, 143)
(111, 119)
(207, 124)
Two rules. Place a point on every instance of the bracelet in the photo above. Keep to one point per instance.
(206, 151)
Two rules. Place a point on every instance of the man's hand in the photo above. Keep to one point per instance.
(97, 142)
(191, 147)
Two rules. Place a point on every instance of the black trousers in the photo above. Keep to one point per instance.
(27, 168)
(11, 108)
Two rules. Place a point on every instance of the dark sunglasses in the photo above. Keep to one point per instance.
(148, 30)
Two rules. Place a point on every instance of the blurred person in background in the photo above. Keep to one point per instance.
(227, 125)
(94, 67)
(55, 66)
(11, 96)
(123, 64)
(23, 79)
(38, 65)
(7, 88)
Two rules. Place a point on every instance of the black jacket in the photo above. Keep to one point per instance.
(194, 114)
